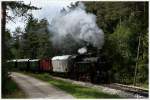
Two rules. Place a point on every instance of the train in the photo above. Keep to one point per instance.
(81, 67)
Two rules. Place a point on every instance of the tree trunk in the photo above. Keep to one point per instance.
(3, 23)
(136, 66)
(4, 57)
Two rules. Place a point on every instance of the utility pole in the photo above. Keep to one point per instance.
(137, 58)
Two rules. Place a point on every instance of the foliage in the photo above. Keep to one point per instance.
(13, 91)
(34, 42)
(19, 9)
(123, 22)
(36, 39)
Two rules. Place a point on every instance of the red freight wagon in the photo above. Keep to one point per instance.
(45, 65)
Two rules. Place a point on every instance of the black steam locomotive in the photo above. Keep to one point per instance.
(88, 66)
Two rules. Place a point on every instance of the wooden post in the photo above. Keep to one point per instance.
(136, 67)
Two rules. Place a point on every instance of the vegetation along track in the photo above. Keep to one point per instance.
(125, 91)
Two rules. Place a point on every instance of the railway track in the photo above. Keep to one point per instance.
(127, 88)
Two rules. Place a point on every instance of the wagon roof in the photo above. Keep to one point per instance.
(22, 60)
(11, 60)
(18, 60)
(64, 57)
(34, 60)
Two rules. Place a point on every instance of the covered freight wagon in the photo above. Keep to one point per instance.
(61, 63)
(46, 65)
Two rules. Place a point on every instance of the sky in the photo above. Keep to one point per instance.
(50, 9)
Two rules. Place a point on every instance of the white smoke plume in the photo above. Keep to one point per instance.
(82, 50)
(79, 24)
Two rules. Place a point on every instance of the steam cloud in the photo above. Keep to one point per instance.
(82, 50)
(79, 24)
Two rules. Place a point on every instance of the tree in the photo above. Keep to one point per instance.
(19, 9)
(122, 22)
(37, 39)
(17, 42)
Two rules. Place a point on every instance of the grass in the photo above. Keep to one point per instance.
(75, 90)
(143, 85)
(13, 91)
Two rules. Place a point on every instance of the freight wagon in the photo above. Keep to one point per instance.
(46, 65)
(21, 64)
(62, 65)
(34, 65)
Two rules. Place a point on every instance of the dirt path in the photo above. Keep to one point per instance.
(35, 88)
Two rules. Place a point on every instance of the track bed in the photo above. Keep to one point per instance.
(128, 88)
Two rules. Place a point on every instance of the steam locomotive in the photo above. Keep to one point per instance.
(82, 67)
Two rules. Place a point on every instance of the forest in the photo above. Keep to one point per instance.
(125, 48)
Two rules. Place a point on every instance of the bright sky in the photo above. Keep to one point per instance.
(50, 9)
